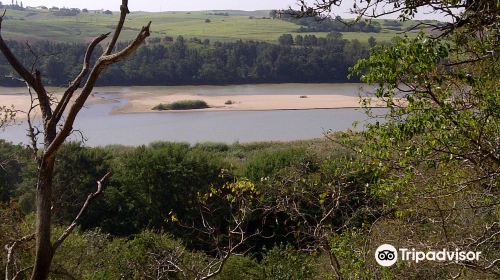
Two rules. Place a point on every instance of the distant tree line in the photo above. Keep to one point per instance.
(66, 12)
(182, 61)
(311, 40)
(224, 14)
(15, 5)
(317, 24)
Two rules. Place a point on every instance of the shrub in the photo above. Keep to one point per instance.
(283, 263)
(182, 105)
(240, 267)
(229, 102)
(268, 164)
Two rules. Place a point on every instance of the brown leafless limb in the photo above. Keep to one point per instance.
(10, 255)
(33, 131)
(21, 272)
(101, 63)
(124, 11)
(100, 186)
(75, 84)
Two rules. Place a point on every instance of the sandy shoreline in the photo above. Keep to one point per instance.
(21, 101)
(142, 100)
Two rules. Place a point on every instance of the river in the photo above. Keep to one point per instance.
(100, 127)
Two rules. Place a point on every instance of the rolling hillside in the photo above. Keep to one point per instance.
(36, 24)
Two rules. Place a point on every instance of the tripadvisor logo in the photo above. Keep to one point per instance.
(387, 255)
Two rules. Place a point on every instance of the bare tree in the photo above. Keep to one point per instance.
(56, 129)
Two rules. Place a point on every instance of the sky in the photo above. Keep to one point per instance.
(193, 5)
(167, 5)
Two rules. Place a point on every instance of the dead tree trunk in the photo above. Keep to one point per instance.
(69, 106)
(44, 251)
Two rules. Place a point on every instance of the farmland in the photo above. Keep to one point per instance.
(36, 25)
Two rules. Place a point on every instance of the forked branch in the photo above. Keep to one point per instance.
(10, 255)
(101, 64)
(75, 84)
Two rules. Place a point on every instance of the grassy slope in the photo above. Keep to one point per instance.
(42, 25)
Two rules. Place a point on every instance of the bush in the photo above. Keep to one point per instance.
(229, 102)
(268, 164)
(240, 267)
(149, 183)
(284, 263)
(182, 105)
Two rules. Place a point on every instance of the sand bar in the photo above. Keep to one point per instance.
(141, 100)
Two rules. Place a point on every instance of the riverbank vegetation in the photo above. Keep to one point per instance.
(182, 105)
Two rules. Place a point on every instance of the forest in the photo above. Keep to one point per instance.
(193, 61)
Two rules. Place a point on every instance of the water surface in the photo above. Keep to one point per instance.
(100, 127)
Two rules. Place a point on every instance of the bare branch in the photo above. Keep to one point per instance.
(20, 272)
(43, 97)
(73, 86)
(101, 64)
(31, 129)
(90, 198)
(124, 11)
(10, 254)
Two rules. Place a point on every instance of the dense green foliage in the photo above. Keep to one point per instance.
(10, 171)
(155, 186)
(199, 62)
(182, 105)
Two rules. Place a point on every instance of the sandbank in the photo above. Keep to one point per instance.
(142, 100)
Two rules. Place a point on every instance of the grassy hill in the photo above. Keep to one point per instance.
(223, 26)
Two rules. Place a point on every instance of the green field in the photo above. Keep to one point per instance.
(43, 25)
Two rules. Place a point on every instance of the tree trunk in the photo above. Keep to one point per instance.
(44, 251)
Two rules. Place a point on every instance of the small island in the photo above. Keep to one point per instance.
(182, 105)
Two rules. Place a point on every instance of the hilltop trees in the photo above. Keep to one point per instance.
(58, 118)
(13, 6)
